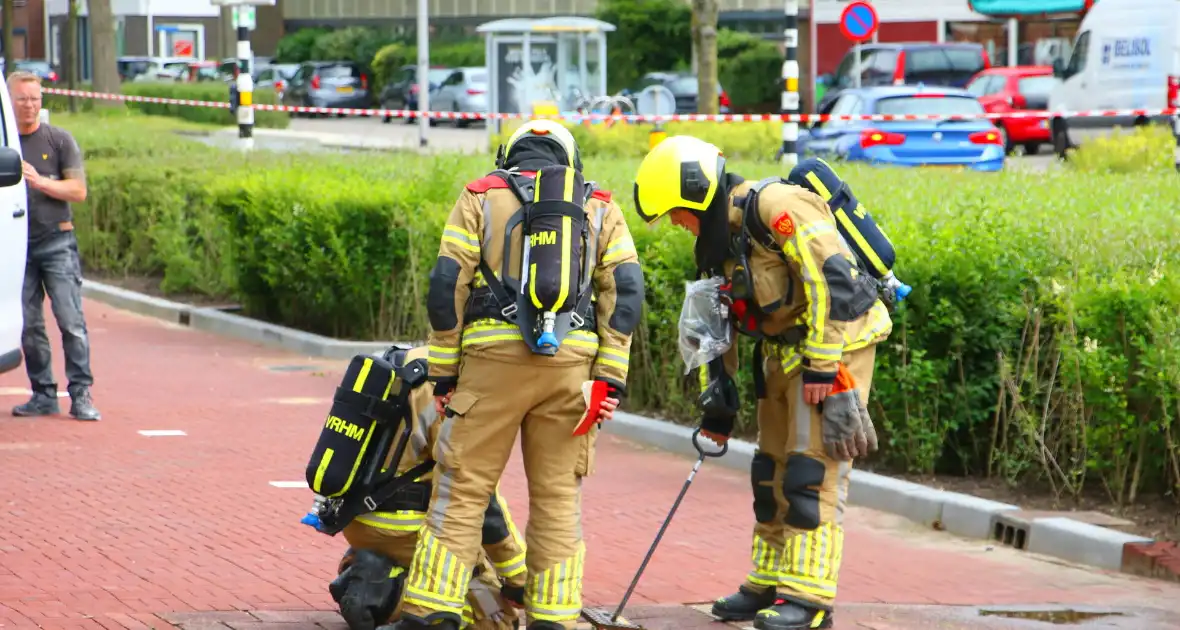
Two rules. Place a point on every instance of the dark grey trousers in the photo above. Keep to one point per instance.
(54, 268)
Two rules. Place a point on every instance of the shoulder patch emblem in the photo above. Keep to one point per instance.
(784, 225)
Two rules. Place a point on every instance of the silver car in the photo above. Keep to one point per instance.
(465, 90)
(329, 84)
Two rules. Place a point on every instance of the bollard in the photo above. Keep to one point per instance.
(656, 136)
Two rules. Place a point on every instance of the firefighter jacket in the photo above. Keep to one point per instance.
(805, 293)
(476, 228)
(502, 543)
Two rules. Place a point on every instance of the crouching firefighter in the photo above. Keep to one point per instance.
(371, 471)
(535, 293)
(789, 279)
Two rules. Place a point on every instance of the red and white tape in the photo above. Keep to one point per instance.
(802, 118)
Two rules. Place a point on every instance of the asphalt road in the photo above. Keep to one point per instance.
(445, 136)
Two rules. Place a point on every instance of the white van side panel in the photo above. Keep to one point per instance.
(14, 207)
(1131, 51)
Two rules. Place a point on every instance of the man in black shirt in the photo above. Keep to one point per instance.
(55, 178)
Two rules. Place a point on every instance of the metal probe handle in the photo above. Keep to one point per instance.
(688, 482)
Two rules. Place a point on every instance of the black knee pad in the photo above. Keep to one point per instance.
(762, 472)
(368, 590)
(801, 482)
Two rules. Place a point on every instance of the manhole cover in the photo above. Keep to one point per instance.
(294, 368)
(1059, 617)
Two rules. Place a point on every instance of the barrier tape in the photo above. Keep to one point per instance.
(802, 118)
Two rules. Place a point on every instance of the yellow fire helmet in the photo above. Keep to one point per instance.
(551, 130)
(680, 172)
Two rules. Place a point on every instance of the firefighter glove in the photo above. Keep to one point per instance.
(848, 431)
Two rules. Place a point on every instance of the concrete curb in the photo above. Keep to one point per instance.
(960, 514)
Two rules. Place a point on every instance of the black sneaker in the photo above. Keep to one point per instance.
(41, 404)
(82, 407)
(787, 615)
(742, 605)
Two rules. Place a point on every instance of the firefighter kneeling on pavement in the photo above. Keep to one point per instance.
(533, 300)
(777, 251)
(372, 574)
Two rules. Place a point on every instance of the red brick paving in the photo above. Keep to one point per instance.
(109, 529)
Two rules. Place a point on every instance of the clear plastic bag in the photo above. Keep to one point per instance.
(705, 330)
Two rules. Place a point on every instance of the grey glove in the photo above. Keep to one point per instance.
(847, 428)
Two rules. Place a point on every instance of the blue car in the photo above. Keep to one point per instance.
(936, 140)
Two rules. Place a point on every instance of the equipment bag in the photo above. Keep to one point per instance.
(553, 294)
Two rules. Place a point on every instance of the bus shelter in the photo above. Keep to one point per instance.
(566, 64)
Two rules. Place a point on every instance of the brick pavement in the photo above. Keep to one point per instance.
(107, 528)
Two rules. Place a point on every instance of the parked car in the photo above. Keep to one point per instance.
(941, 141)
(464, 90)
(39, 68)
(1126, 56)
(328, 84)
(1021, 89)
(14, 237)
(276, 77)
(402, 91)
(685, 89)
(907, 63)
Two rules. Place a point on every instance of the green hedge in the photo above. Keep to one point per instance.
(1040, 343)
(199, 91)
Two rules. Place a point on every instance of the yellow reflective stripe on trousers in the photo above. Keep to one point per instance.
(468, 615)
(462, 238)
(767, 563)
(438, 580)
(556, 593)
(443, 355)
(399, 521)
(812, 565)
(618, 248)
(815, 289)
(491, 332)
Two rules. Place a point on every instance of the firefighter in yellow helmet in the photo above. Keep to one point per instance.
(533, 299)
(371, 575)
(792, 284)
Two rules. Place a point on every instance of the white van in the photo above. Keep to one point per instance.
(1126, 56)
(14, 236)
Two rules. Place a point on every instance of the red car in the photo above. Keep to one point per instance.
(1016, 89)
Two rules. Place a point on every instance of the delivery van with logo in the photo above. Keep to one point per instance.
(1126, 56)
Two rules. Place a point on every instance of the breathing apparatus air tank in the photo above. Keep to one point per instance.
(856, 226)
(554, 236)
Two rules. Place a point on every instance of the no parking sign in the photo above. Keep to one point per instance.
(858, 21)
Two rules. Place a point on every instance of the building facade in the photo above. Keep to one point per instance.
(28, 29)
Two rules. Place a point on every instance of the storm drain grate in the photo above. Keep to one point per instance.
(1010, 531)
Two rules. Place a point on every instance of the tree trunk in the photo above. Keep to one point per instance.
(102, 51)
(8, 17)
(705, 36)
(71, 54)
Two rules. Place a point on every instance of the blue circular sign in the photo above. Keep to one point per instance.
(858, 21)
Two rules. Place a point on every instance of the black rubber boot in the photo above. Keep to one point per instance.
(742, 605)
(433, 621)
(82, 405)
(40, 404)
(545, 625)
(788, 615)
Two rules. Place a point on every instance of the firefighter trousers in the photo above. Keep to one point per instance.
(395, 536)
(799, 492)
(494, 401)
